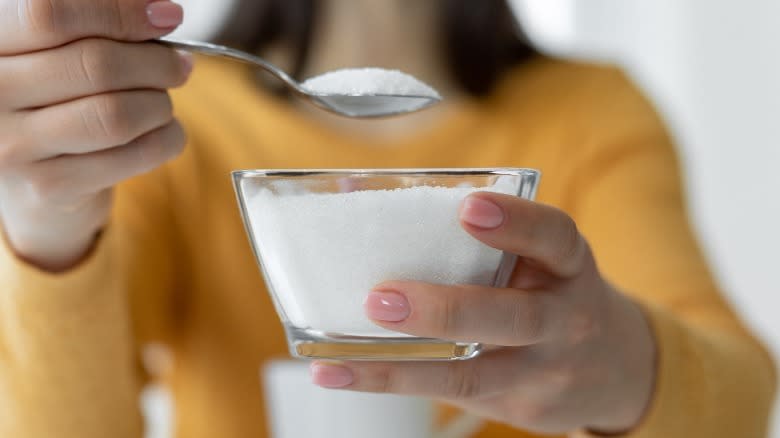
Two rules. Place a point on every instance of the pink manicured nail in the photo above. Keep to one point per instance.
(330, 376)
(386, 306)
(164, 14)
(481, 213)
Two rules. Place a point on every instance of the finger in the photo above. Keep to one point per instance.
(73, 176)
(486, 375)
(29, 25)
(531, 230)
(88, 67)
(92, 123)
(513, 386)
(507, 317)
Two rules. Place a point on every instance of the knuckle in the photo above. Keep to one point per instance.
(106, 119)
(122, 26)
(118, 26)
(560, 377)
(582, 326)
(387, 379)
(462, 382)
(570, 243)
(527, 323)
(447, 316)
(95, 63)
(42, 16)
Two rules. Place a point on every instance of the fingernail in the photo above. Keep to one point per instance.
(386, 306)
(164, 14)
(187, 61)
(481, 213)
(330, 376)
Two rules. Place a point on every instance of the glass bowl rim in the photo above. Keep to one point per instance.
(287, 173)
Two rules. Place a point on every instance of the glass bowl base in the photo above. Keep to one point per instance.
(310, 344)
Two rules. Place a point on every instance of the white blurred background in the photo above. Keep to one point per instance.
(713, 69)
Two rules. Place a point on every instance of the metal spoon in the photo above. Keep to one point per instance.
(357, 105)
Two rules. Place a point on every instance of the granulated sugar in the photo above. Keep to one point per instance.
(324, 252)
(368, 81)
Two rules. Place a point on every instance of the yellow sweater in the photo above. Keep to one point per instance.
(174, 266)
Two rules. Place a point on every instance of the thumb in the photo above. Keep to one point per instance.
(28, 25)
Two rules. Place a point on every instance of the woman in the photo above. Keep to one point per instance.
(111, 245)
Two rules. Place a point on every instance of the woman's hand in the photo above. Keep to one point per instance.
(572, 351)
(82, 107)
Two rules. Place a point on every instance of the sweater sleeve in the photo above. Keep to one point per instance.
(68, 342)
(713, 378)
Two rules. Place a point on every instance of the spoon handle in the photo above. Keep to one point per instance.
(227, 52)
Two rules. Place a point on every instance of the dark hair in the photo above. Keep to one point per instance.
(481, 39)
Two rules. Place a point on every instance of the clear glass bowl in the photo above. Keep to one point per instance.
(325, 238)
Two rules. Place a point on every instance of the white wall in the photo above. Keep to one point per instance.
(713, 68)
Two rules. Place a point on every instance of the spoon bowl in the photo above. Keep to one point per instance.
(370, 105)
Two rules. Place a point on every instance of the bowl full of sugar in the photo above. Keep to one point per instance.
(324, 238)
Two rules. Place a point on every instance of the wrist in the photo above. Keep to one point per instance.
(51, 242)
(632, 353)
(56, 258)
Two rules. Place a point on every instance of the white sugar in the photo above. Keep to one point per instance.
(368, 81)
(324, 252)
